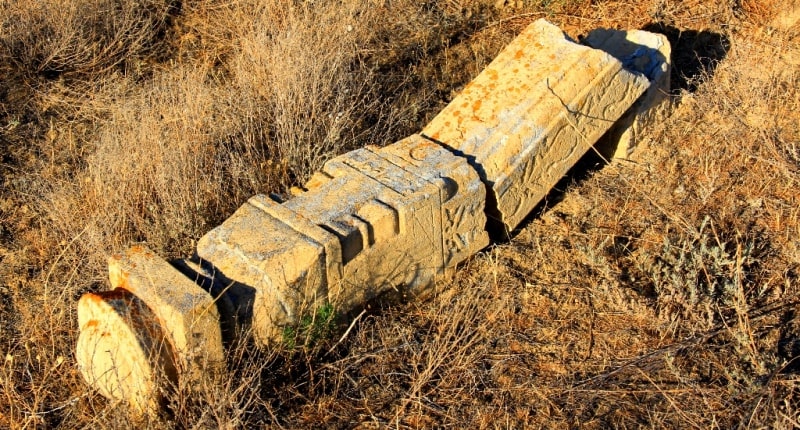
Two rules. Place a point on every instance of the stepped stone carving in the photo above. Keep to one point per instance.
(371, 221)
(532, 113)
(427, 202)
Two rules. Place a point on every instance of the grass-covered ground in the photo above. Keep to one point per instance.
(663, 291)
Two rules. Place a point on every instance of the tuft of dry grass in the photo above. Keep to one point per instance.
(657, 292)
(54, 52)
(48, 40)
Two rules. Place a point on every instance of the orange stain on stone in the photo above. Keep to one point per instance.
(122, 281)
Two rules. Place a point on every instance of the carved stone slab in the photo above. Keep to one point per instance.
(532, 113)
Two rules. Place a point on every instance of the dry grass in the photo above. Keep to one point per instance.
(661, 292)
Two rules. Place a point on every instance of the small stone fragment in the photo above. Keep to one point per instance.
(186, 312)
(121, 349)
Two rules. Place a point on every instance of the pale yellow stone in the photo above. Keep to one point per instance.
(364, 194)
(641, 52)
(532, 113)
(121, 350)
(281, 256)
(381, 220)
(407, 211)
(463, 195)
(304, 226)
(372, 221)
(186, 312)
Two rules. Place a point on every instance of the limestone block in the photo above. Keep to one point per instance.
(532, 113)
(303, 225)
(463, 195)
(284, 258)
(186, 312)
(121, 350)
(388, 221)
(403, 214)
(641, 52)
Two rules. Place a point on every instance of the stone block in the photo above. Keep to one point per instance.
(286, 259)
(186, 312)
(304, 226)
(121, 349)
(332, 199)
(403, 213)
(387, 220)
(463, 195)
(640, 52)
(532, 113)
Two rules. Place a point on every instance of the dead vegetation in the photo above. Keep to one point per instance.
(658, 292)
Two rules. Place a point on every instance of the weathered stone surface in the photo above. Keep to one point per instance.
(280, 255)
(373, 220)
(388, 221)
(333, 200)
(121, 350)
(528, 117)
(463, 195)
(304, 226)
(186, 312)
(403, 213)
(641, 52)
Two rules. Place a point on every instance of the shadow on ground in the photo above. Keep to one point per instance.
(695, 55)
